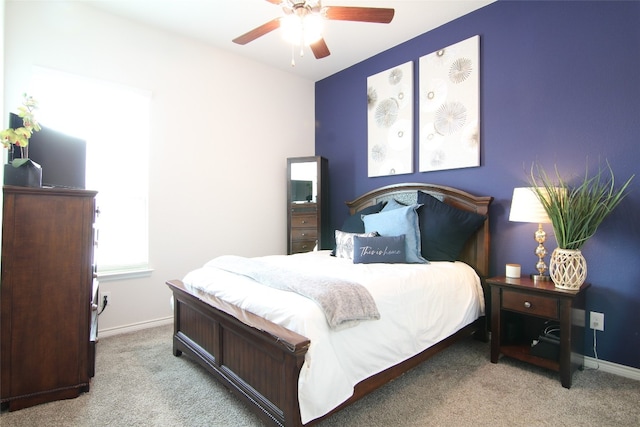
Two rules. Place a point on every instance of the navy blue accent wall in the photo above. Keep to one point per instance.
(560, 84)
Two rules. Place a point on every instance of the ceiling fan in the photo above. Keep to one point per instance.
(302, 13)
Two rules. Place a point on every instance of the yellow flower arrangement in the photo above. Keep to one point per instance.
(19, 137)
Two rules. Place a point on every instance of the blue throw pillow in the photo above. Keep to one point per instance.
(444, 230)
(401, 221)
(344, 243)
(389, 250)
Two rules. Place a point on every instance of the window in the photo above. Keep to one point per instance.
(114, 120)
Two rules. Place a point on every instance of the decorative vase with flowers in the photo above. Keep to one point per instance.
(21, 170)
(575, 211)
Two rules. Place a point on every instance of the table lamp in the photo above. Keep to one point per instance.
(526, 207)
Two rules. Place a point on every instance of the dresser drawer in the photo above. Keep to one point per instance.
(298, 234)
(304, 220)
(536, 305)
(303, 246)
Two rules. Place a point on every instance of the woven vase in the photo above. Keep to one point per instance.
(567, 268)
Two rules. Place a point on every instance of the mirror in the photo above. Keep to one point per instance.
(304, 182)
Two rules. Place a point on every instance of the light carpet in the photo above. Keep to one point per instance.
(139, 382)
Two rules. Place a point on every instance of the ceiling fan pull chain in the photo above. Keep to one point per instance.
(293, 60)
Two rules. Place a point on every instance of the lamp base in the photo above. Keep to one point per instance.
(540, 277)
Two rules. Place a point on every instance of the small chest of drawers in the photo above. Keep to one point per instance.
(520, 307)
(304, 227)
(308, 205)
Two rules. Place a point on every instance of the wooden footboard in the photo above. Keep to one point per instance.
(260, 361)
(256, 359)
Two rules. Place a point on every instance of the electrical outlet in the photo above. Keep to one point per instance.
(101, 302)
(596, 321)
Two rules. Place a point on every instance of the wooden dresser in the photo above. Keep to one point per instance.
(48, 298)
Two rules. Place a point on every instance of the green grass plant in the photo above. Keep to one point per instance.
(576, 211)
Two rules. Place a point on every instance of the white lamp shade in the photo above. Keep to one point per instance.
(526, 207)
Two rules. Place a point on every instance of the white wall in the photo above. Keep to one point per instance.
(220, 138)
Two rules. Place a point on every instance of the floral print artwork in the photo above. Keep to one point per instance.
(390, 121)
(449, 94)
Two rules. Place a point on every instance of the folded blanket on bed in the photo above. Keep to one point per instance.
(344, 303)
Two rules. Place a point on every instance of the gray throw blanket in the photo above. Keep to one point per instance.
(344, 303)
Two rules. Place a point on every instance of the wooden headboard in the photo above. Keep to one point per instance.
(476, 250)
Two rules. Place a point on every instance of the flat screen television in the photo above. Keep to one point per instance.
(63, 157)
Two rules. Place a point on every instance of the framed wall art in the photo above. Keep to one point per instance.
(390, 121)
(449, 90)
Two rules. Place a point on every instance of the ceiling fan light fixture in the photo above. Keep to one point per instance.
(301, 30)
(303, 20)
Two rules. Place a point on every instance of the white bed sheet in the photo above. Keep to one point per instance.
(419, 305)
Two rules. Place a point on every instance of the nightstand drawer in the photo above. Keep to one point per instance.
(535, 305)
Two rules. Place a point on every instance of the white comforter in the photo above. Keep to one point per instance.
(419, 305)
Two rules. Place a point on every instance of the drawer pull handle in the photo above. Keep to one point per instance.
(303, 221)
(303, 234)
(527, 304)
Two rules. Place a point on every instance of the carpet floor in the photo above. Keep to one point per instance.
(139, 382)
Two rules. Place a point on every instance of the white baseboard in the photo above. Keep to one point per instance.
(612, 368)
(103, 333)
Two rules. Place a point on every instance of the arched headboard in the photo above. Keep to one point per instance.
(476, 250)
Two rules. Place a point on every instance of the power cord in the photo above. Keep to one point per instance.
(105, 301)
(595, 350)
(595, 354)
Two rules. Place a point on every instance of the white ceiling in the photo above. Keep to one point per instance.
(217, 22)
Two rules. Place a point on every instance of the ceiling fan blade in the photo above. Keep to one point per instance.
(320, 49)
(275, 1)
(360, 14)
(258, 32)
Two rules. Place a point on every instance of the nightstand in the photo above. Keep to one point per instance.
(520, 309)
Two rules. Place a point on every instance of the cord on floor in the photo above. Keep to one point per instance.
(595, 353)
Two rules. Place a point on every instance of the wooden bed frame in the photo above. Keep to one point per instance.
(260, 361)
